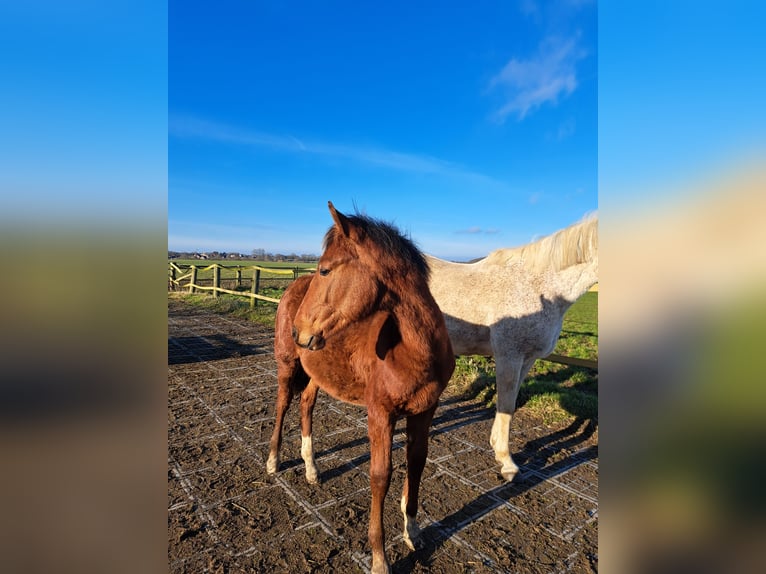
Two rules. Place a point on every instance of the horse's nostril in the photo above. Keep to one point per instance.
(295, 334)
(316, 343)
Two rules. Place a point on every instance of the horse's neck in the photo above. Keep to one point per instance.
(415, 326)
(572, 282)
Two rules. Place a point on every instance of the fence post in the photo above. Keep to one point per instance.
(216, 279)
(193, 279)
(255, 287)
(239, 277)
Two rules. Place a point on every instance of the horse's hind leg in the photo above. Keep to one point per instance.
(284, 398)
(308, 400)
(289, 375)
(417, 451)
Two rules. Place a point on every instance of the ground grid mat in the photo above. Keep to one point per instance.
(225, 514)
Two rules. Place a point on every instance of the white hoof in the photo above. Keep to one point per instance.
(509, 472)
(411, 535)
(312, 474)
(272, 464)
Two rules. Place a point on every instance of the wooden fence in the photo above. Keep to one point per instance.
(572, 361)
(187, 277)
(183, 277)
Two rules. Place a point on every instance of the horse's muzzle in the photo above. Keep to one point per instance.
(314, 342)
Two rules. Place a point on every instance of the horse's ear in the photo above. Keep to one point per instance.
(341, 221)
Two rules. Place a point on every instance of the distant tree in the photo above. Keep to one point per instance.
(259, 253)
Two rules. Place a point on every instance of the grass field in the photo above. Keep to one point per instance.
(264, 312)
(552, 391)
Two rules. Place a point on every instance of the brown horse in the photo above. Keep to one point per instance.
(366, 330)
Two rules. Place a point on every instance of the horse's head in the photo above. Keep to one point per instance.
(344, 289)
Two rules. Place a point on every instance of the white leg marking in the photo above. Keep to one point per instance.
(411, 534)
(307, 453)
(499, 439)
(272, 464)
(379, 566)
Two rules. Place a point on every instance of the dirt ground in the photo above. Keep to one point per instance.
(225, 514)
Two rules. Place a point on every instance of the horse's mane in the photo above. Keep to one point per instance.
(575, 244)
(393, 245)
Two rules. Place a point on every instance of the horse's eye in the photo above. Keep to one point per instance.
(324, 271)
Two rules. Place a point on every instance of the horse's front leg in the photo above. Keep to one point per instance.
(508, 375)
(380, 428)
(308, 400)
(417, 451)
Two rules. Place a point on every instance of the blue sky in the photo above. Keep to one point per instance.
(233, 126)
(471, 127)
(682, 87)
(83, 113)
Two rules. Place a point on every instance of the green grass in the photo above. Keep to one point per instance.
(551, 391)
(263, 313)
(579, 333)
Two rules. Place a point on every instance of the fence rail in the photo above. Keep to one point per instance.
(188, 277)
(572, 361)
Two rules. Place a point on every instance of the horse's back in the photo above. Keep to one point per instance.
(465, 292)
(480, 298)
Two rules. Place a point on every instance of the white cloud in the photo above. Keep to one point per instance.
(546, 77)
(194, 128)
(478, 230)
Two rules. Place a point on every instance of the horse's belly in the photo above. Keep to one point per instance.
(468, 338)
(342, 392)
(468, 347)
(333, 376)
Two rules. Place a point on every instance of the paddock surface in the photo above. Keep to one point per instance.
(225, 514)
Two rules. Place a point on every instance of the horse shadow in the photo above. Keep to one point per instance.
(534, 470)
(533, 459)
(196, 349)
